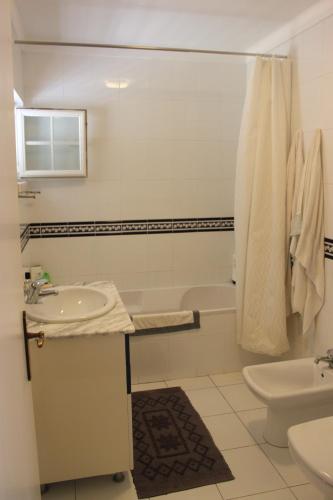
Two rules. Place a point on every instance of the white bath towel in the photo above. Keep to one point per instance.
(295, 169)
(308, 283)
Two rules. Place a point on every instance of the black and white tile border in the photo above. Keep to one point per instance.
(24, 235)
(100, 228)
(149, 226)
(109, 228)
(328, 248)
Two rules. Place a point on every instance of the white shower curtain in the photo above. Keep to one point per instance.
(260, 210)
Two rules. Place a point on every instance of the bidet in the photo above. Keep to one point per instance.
(294, 391)
(327, 359)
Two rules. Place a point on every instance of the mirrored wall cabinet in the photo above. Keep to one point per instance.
(51, 143)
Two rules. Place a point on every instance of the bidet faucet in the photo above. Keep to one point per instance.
(33, 291)
(327, 359)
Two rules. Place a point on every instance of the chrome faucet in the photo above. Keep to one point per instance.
(327, 359)
(33, 290)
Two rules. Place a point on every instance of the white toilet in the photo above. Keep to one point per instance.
(294, 391)
(311, 446)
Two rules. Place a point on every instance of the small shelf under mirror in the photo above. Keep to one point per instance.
(51, 143)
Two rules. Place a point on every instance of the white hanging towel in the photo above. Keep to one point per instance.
(308, 282)
(295, 172)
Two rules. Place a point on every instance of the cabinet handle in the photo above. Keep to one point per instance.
(40, 338)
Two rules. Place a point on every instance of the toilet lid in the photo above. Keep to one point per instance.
(312, 442)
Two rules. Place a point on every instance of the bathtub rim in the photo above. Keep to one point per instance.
(203, 312)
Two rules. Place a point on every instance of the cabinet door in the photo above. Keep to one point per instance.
(81, 407)
(51, 143)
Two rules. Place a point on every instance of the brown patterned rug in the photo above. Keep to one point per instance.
(173, 450)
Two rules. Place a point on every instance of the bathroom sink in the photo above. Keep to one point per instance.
(72, 303)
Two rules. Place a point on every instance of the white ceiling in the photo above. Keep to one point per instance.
(212, 24)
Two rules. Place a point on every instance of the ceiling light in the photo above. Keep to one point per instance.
(116, 84)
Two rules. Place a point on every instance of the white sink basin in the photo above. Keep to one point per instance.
(73, 303)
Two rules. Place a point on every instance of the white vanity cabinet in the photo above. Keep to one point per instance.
(82, 406)
(51, 142)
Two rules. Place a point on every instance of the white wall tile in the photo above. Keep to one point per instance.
(163, 148)
(327, 45)
(104, 158)
(324, 337)
(209, 160)
(120, 253)
(307, 49)
(214, 197)
(159, 279)
(214, 80)
(127, 280)
(311, 51)
(327, 101)
(191, 277)
(164, 158)
(184, 192)
(309, 103)
(328, 209)
(159, 199)
(64, 258)
(160, 252)
(327, 155)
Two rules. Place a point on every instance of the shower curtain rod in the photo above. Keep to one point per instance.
(146, 47)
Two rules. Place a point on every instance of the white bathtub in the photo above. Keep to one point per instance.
(206, 299)
(211, 349)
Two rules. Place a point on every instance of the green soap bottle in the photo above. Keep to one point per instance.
(46, 277)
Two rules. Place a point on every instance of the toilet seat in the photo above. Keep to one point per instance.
(312, 445)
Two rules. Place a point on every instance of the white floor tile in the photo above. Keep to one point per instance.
(254, 421)
(227, 378)
(307, 492)
(188, 384)
(149, 386)
(272, 495)
(60, 491)
(208, 402)
(228, 431)
(204, 493)
(240, 397)
(253, 473)
(104, 488)
(282, 461)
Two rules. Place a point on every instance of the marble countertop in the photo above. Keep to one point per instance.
(115, 321)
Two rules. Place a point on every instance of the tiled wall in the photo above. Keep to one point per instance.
(312, 54)
(164, 148)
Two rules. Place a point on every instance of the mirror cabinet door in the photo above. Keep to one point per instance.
(51, 143)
